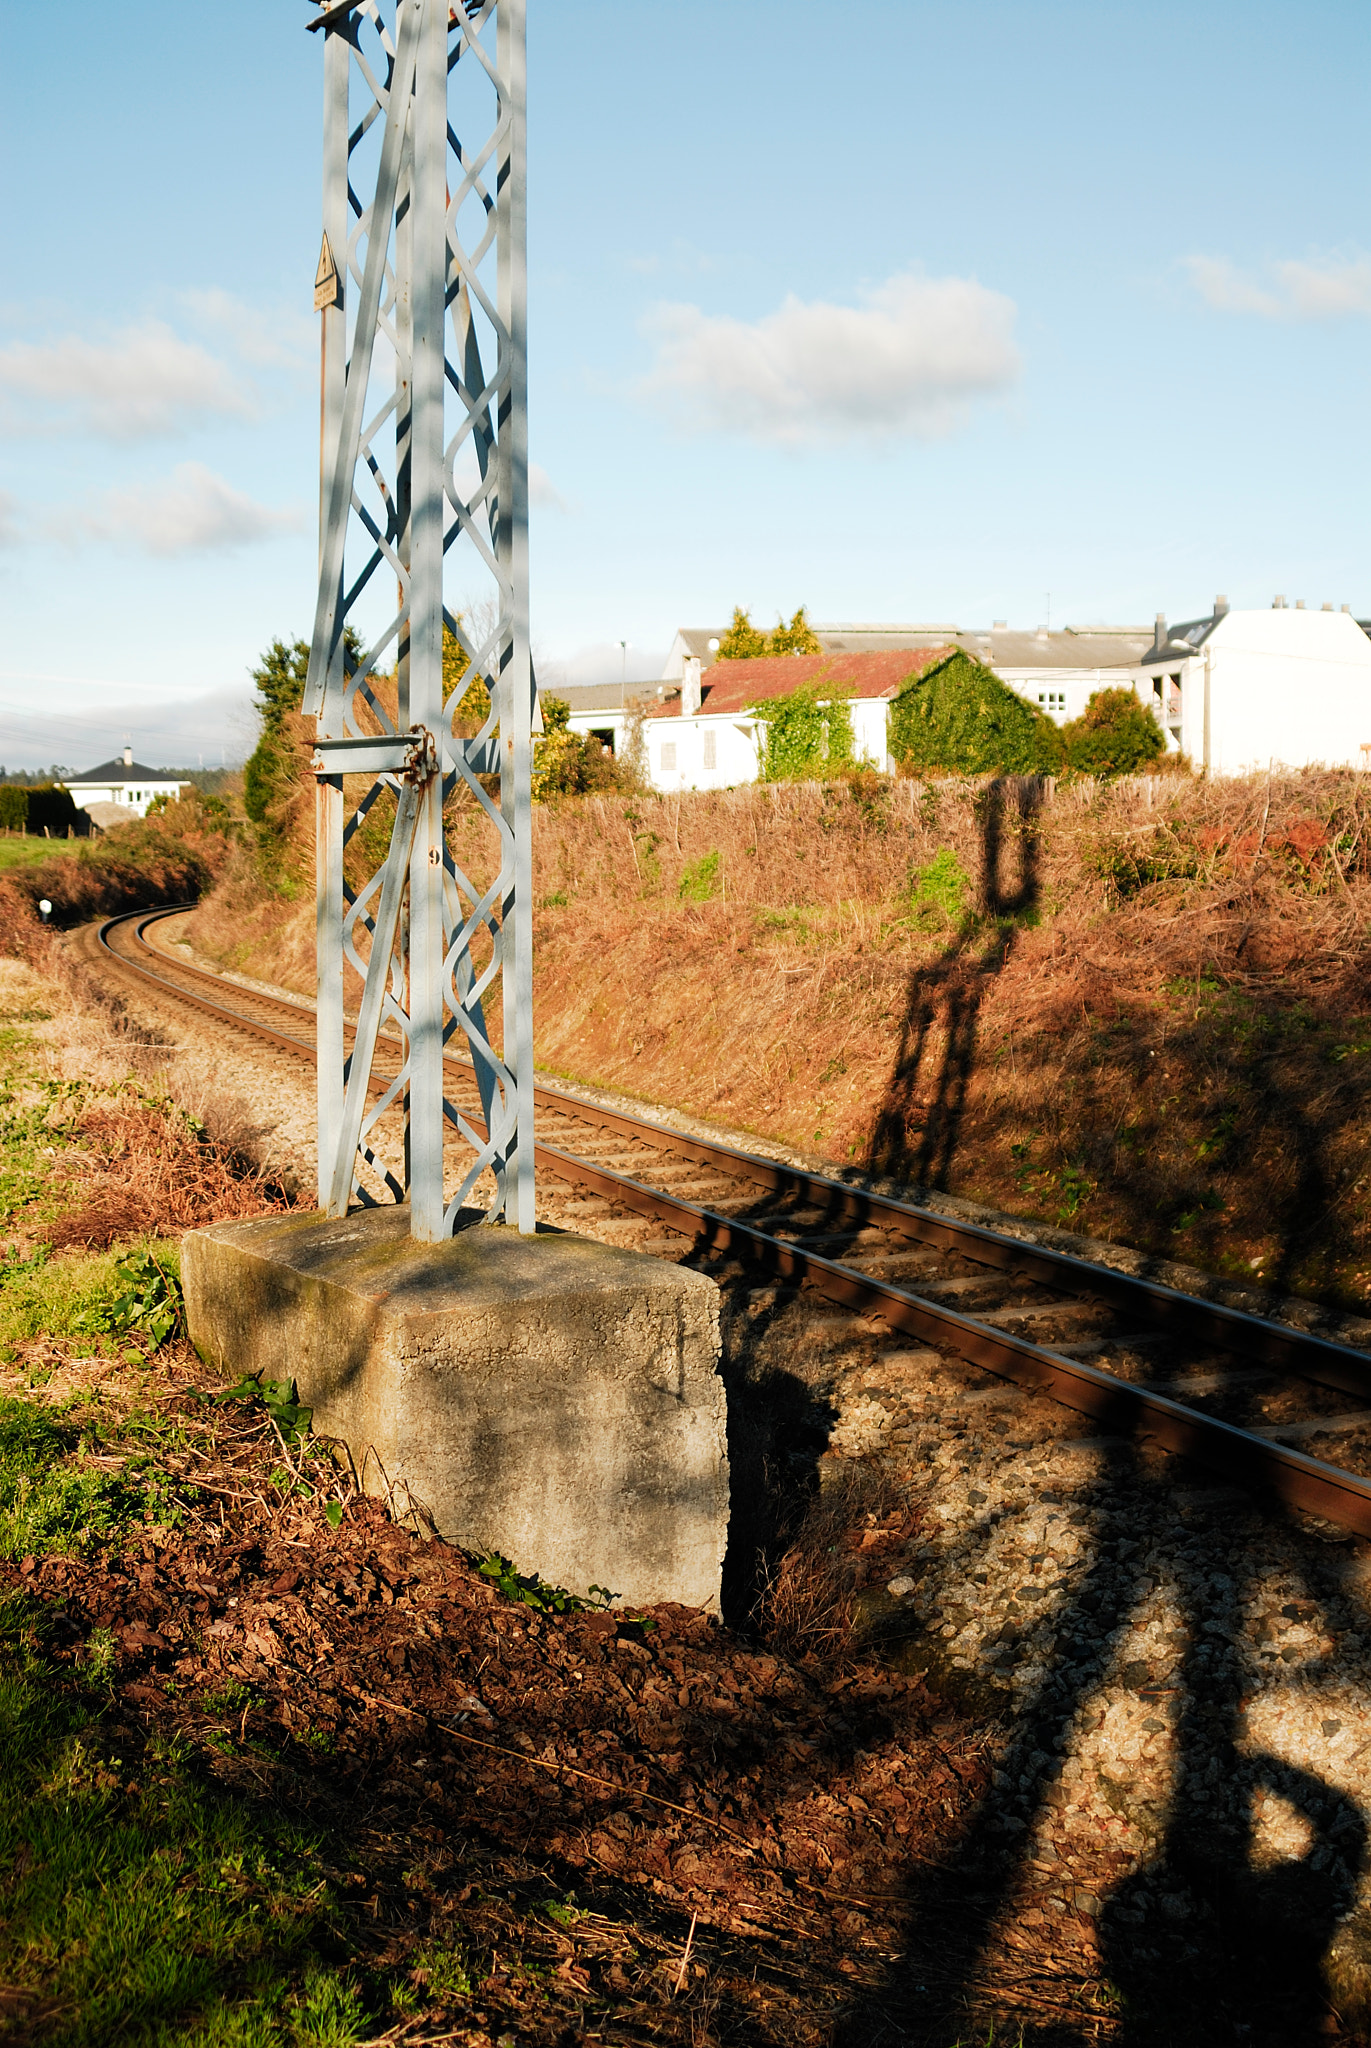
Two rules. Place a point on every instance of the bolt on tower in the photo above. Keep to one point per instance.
(419, 674)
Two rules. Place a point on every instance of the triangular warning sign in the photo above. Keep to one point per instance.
(326, 291)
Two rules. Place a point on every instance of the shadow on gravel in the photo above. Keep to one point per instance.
(1204, 1944)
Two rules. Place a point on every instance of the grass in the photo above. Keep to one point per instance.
(143, 1905)
(18, 850)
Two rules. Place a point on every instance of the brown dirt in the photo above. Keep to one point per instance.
(468, 1757)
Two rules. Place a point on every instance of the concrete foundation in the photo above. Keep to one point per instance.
(548, 1397)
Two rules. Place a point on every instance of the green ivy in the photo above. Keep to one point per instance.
(807, 738)
(960, 719)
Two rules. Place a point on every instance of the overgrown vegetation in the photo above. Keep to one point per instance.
(1115, 735)
(567, 763)
(960, 719)
(806, 738)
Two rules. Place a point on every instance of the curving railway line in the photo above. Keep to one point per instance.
(1237, 1394)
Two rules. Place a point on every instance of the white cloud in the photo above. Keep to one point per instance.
(191, 512)
(907, 361)
(141, 382)
(1323, 288)
(266, 339)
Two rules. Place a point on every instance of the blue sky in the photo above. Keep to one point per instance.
(902, 313)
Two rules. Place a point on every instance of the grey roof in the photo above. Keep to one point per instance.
(1066, 647)
(122, 771)
(871, 639)
(591, 697)
(1183, 640)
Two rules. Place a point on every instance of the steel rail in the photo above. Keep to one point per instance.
(1254, 1461)
(1304, 1482)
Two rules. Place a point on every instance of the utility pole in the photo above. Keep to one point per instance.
(421, 289)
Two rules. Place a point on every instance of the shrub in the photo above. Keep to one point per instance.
(807, 737)
(1114, 735)
(961, 719)
(567, 763)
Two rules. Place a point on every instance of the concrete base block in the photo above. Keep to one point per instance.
(552, 1398)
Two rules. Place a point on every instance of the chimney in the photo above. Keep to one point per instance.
(128, 757)
(1000, 625)
(1326, 607)
(1278, 604)
(1346, 608)
(690, 686)
(1159, 633)
(1220, 606)
(1299, 604)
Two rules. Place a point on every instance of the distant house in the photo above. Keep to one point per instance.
(126, 785)
(1238, 690)
(704, 735)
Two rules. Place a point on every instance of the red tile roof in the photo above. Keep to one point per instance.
(730, 686)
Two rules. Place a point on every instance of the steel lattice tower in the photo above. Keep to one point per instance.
(423, 486)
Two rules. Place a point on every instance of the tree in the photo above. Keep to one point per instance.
(279, 680)
(1115, 735)
(798, 637)
(474, 708)
(960, 719)
(742, 641)
(806, 738)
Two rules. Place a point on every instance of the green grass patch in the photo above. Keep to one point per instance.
(18, 851)
(939, 894)
(54, 1500)
(143, 1905)
(96, 1297)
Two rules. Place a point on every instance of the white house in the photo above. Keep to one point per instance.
(704, 735)
(125, 783)
(1239, 690)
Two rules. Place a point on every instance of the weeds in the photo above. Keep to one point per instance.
(528, 1590)
(701, 878)
(938, 892)
(51, 1500)
(278, 1400)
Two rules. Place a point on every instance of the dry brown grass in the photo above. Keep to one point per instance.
(147, 1169)
(1147, 1020)
(807, 1606)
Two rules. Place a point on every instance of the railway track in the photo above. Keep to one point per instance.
(1237, 1394)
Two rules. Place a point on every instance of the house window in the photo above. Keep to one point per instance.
(711, 752)
(668, 755)
(1052, 701)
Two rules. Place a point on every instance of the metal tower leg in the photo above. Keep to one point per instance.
(424, 488)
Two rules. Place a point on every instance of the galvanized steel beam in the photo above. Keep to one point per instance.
(424, 494)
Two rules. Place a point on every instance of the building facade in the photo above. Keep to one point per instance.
(1241, 690)
(1233, 690)
(125, 783)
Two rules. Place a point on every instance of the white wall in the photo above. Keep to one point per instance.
(1285, 686)
(1288, 686)
(687, 740)
(1063, 693)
